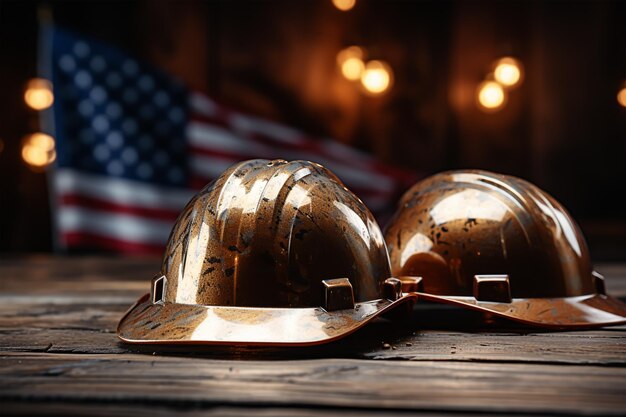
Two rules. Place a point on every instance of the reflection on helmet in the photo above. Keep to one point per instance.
(478, 238)
(273, 235)
(265, 234)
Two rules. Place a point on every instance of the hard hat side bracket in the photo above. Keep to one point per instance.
(412, 284)
(157, 293)
(393, 289)
(494, 288)
(337, 294)
(598, 280)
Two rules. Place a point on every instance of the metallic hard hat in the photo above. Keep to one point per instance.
(498, 244)
(271, 252)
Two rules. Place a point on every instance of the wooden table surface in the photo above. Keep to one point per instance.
(60, 356)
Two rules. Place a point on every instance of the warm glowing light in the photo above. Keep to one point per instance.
(344, 5)
(621, 97)
(350, 62)
(38, 150)
(352, 68)
(508, 72)
(377, 77)
(38, 94)
(491, 95)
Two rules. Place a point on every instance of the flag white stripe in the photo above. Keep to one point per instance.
(114, 225)
(203, 105)
(204, 135)
(271, 130)
(120, 191)
(208, 167)
(211, 167)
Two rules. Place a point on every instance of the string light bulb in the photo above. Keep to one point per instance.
(344, 5)
(508, 72)
(491, 96)
(38, 94)
(38, 150)
(350, 62)
(377, 77)
(621, 96)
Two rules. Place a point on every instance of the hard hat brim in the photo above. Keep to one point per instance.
(581, 312)
(169, 323)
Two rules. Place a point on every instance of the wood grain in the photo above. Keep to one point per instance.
(81, 328)
(94, 409)
(59, 355)
(338, 383)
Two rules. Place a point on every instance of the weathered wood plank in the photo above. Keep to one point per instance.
(52, 324)
(84, 328)
(598, 348)
(340, 383)
(197, 410)
(59, 349)
(17, 270)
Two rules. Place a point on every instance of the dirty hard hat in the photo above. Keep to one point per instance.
(498, 244)
(271, 252)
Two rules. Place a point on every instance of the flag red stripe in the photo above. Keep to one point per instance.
(304, 143)
(77, 200)
(309, 144)
(87, 240)
(199, 181)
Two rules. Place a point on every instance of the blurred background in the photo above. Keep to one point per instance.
(533, 89)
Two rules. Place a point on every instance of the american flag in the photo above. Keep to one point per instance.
(134, 144)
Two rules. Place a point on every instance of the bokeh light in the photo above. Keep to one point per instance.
(621, 97)
(38, 150)
(352, 68)
(350, 61)
(344, 5)
(377, 77)
(508, 72)
(491, 96)
(38, 94)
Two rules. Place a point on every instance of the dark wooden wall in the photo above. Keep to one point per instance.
(561, 129)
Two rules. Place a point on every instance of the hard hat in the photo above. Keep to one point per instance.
(498, 244)
(271, 252)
